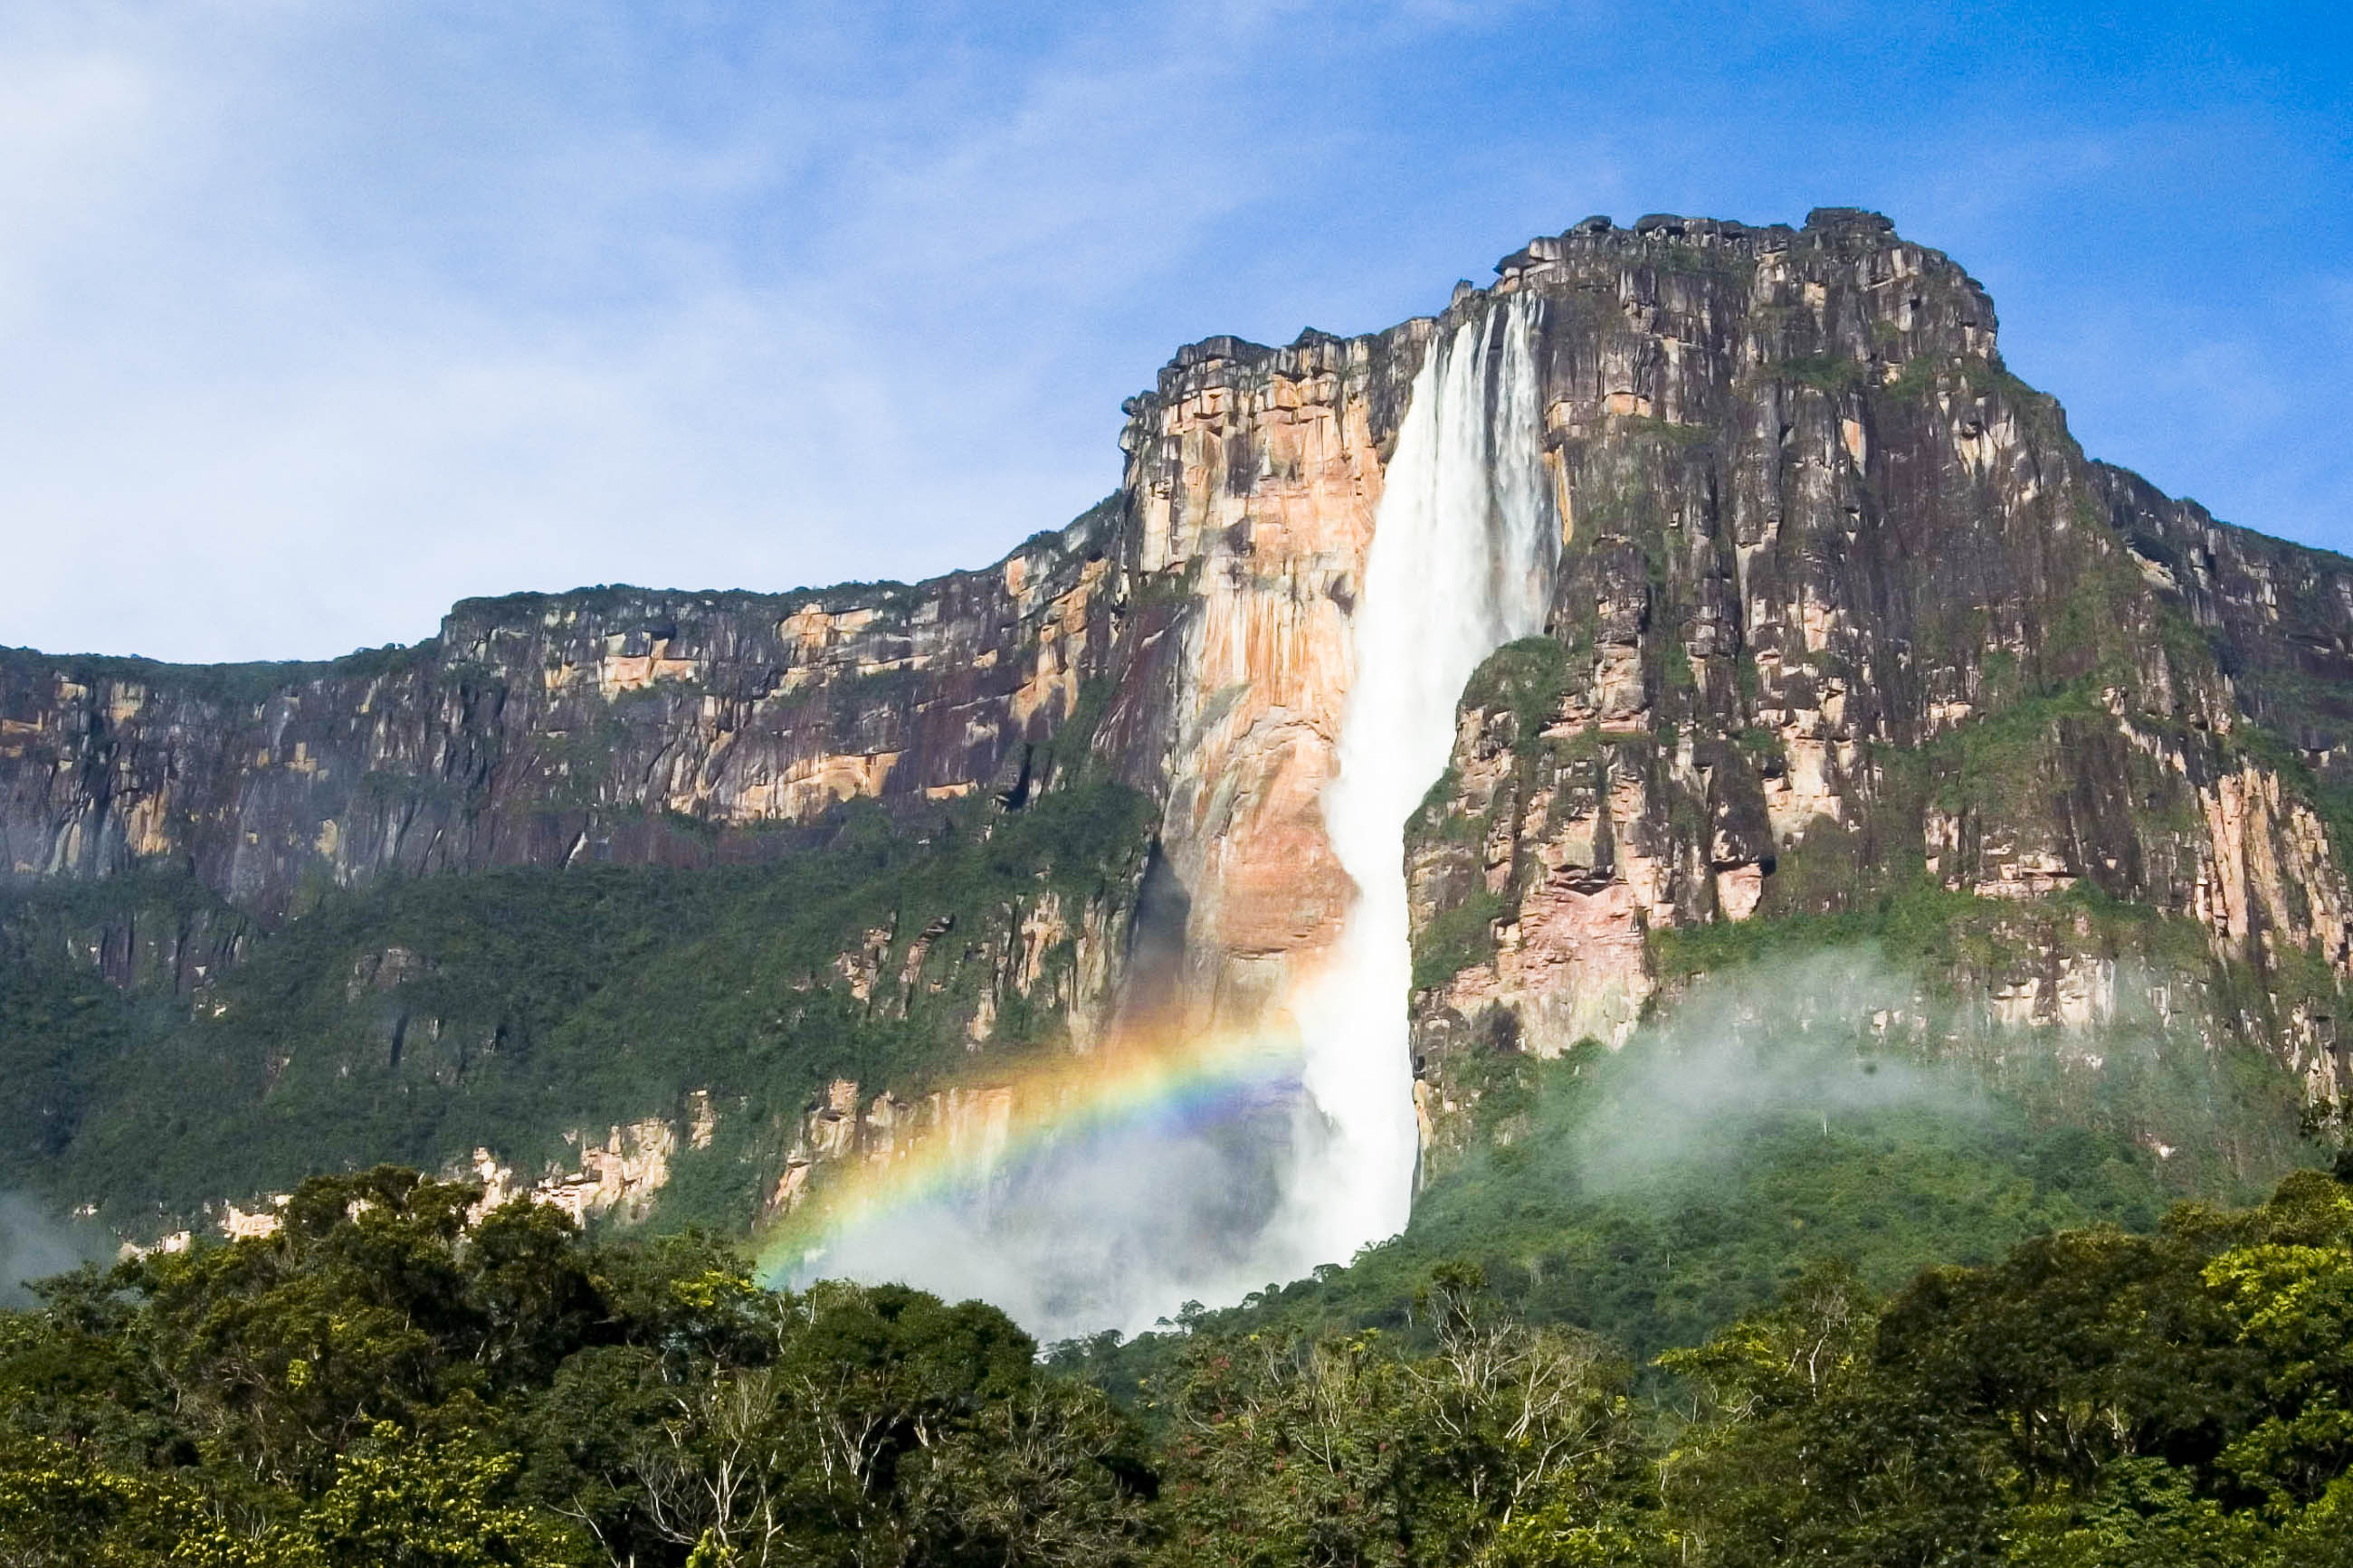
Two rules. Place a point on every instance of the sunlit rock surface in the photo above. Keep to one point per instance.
(1841, 611)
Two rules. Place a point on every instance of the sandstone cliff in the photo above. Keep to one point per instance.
(1843, 618)
(609, 724)
(1843, 615)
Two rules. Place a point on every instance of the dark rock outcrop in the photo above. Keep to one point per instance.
(1843, 614)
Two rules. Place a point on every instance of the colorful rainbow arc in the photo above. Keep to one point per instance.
(1182, 1086)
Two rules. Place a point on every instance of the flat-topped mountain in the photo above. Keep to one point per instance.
(673, 899)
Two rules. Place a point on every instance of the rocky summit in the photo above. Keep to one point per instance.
(668, 903)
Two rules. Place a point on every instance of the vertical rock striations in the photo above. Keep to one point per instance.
(1845, 615)
(1842, 621)
(612, 724)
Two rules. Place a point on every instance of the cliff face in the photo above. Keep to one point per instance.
(1841, 611)
(609, 725)
(1845, 615)
(1843, 618)
(1253, 481)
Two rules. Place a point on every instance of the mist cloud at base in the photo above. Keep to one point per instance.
(36, 1244)
(1116, 1228)
(1822, 1034)
(1845, 1040)
(1111, 1227)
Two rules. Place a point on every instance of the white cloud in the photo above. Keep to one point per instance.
(315, 368)
(316, 317)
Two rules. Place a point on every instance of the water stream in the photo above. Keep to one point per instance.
(1462, 562)
(1208, 1184)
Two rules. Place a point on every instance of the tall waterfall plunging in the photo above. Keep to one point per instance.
(1462, 559)
(1234, 1162)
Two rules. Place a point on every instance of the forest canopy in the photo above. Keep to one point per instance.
(399, 1377)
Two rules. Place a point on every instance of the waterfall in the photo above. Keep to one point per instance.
(1260, 1168)
(1463, 558)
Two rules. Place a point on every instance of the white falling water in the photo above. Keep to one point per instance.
(1461, 562)
(1116, 1226)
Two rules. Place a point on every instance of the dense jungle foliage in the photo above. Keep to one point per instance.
(395, 1379)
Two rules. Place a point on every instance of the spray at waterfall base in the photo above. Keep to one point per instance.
(1201, 1169)
(1116, 1186)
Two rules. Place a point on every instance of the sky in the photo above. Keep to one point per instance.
(317, 318)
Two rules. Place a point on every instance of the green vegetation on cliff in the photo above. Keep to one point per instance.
(417, 1019)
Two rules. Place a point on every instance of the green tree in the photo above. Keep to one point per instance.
(1505, 1443)
(403, 1502)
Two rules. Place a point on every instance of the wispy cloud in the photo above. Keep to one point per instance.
(527, 349)
(314, 317)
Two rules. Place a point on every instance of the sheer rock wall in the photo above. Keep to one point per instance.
(1843, 609)
(612, 724)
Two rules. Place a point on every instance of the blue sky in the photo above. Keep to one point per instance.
(314, 317)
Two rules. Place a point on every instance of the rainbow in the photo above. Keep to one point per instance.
(1175, 1085)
